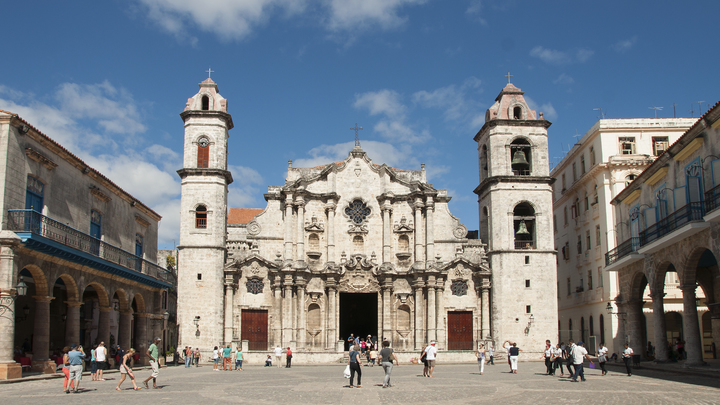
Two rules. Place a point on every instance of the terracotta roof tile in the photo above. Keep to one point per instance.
(238, 216)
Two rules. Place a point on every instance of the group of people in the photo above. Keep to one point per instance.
(74, 357)
(191, 356)
(385, 357)
(226, 357)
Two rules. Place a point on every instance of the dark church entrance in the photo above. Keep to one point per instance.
(358, 315)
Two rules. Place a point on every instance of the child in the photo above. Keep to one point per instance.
(268, 361)
(373, 356)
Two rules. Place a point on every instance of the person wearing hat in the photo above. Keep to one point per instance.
(153, 354)
(579, 353)
(75, 366)
(430, 354)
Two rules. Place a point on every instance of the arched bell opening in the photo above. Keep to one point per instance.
(521, 163)
(524, 226)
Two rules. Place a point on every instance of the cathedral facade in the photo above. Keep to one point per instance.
(350, 247)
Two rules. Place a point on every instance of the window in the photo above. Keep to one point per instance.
(199, 276)
(582, 164)
(527, 259)
(565, 216)
(527, 283)
(582, 329)
(517, 113)
(592, 156)
(595, 195)
(205, 103)
(201, 217)
(358, 243)
(693, 180)
(590, 280)
(34, 194)
(203, 153)
(587, 240)
(569, 288)
(563, 182)
(627, 145)
(602, 329)
(138, 245)
(579, 244)
(358, 212)
(660, 144)
(484, 158)
(528, 309)
(597, 235)
(459, 287)
(574, 172)
(255, 286)
(629, 179)
(587, 201)
(95, 231)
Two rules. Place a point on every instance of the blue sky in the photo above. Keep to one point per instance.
(108, 79)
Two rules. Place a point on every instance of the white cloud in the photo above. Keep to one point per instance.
(453, 99)
(379, 152)
(381, 102)
(245, 190)
(393, 126)
(625, 44)
(564, 79)
(547, 109)
(349, 15)
(555, 57)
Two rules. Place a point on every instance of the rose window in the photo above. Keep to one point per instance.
(459, 287)
(255, 286)
(358, 212)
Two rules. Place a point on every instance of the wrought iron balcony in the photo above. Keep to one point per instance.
(629, 246)
(689, 213)
(34, 223)
(712, 199)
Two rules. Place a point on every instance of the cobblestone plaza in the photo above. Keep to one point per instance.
(456, 384)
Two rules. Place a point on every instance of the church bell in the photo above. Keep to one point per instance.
(519, 158)
(522, 228)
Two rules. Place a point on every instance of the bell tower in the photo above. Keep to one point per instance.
(203, 212)
(515, 203)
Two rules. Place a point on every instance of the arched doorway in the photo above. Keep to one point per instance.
(358, 315)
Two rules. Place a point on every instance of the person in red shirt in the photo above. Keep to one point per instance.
(288, 357)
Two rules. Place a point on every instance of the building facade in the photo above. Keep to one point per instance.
(667, 230)
(81, 249)
(607, 158)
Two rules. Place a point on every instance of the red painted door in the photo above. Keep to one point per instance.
(255, 328)
(460, 336)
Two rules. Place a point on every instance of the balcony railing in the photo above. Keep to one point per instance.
(712, 198)
(524, 244)
(689, 213)
(36, 223)
(629, 246)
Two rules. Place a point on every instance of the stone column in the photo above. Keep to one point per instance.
(637, 341)
(300, 307)
(104, 325)
(429, 237)
(287, 311)
(124, 331)
(229, 299)
(331, 333)
(419, 324)
(386, 325)
(691, 326)
(141, 344)
(661, 343)
(277, 314)
(431, 308)
(419, 251)
(715, 325)
(300, 227)
(41, 334)
(387, 233)
(485, 309)
(288, 227)
(330, 207)
(440, 314)
(72, 323)
(9, 369)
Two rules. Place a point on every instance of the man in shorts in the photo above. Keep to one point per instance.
(431, 353)
(153, 354)
(100, 358)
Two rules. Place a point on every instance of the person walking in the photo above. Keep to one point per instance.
(188, 356)
(126, 370)
(93, 364)
(569, 350)
(431, 354)
(387, 355)
(238, 358)
(288, 358)
(480, 354)
(423, 359)
(153, 355)
(354, 362)
(490, 355)
(547, 355)
(216, 358)
(559, 357)
(196, 356)
(627, 357)
(100, 360)
(602, 356)
(278, 356)
(227, 358)
(75, 365)
(66, 370)
(579, 355)
(514, 353)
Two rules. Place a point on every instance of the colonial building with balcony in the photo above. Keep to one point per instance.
(668, 242)
(77, 256)
(602, 162)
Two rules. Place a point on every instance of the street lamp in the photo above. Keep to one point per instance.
(196, 321)
(620, 315)
(166, 316)
(6, 301)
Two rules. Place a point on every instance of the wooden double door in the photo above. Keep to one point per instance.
(254, 325)
(460, 330)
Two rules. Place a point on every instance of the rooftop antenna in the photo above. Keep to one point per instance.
(656, 110)
(674, 116)
(700, 107)
(692, 112)
(602, 114)
(576, 136)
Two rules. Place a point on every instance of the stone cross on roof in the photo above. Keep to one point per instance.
(209, 71)
(357, 138)
(508, 76)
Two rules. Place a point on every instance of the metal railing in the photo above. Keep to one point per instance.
(629, 246)
(524, 244)
(689, 213)
(712, 199)
(34, 222)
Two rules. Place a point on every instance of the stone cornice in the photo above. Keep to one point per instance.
(512, 179)
(40, 158)
(208, 114)
(185, 172)
(511, 123)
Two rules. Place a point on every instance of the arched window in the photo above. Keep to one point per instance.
(517, 113)
(313, 242)
(521, 156)
(524, 226)
(203, 153)
(629, 179)
(403, 244)
(570, 328)
(591, 326)
(205, 103)
(484, 158)
(602, 329)
(358, 243)
(201, 217)
(582, 329)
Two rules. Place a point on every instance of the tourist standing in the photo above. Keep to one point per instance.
(627, 357)
(423, 360)
(354, 363)
(288, 358)
(93, 364)
(196, 355)
(386, 360)
(480, 354)
(227, 352)
(216, 358)
(278, 356)
(75, 365)
(602, 357)
(126, 370)
(153, 355)
(579, 355)
(373, 355)
(100, 360)
(514, 353)
(431, 353)
(507, 345)
(569, 350)
(188, 356)
(66, 370)
(238, 358)
(351, 341)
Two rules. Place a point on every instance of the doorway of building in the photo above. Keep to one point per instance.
(460, 332)
(255, 328)
(358, 315)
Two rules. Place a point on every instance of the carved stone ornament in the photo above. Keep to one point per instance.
(460, 232)
(404, 226)
(460, 271)
(253, 228)
(358, 262)
(314, 226)
(363, 229)
(358, 281)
